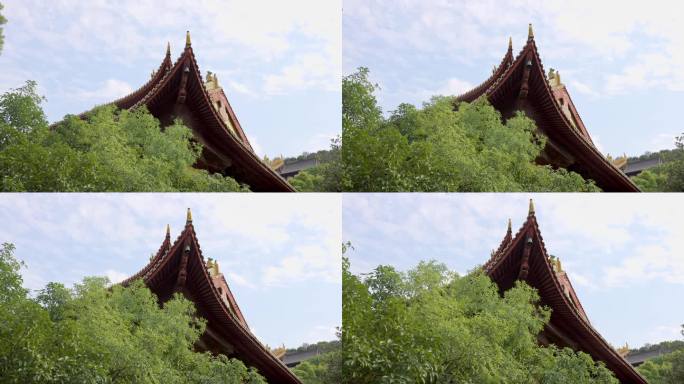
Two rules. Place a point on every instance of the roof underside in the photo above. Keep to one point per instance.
(521, 83)
(569, 325)
(180, 267)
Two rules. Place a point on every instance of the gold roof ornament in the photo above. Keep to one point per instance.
(187, 39)
(213, 267)
(531, 210)
(279, 352)
(623, 351)
(556, 264)
(510, 43)
(168, 230)
(208, 76)
(216, 81)
(188, 217)
(168, 48)
(510, 226)
(530, 33)
(620, 161)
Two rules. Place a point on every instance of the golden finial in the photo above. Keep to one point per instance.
(168, 48)
(510, 226)
(530, 33)
(531, 211)
(187, 39)
(188, 219)
(510, 43)
(168, 230)
(216, 81)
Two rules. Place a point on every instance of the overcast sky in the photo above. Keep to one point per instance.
(622, 61)
(280, 254)
(278, 62)
(624, 254)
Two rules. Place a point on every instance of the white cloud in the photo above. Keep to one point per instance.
(663, 141)
(454, 87)
(237, 279)
(312, 70)
(115, 276)
(280, 35)
(630, 45)
(110, 90)
(647, 263)
(583, 88)
(321, 333)
(255, 145)
(241, 88)
(311, 262)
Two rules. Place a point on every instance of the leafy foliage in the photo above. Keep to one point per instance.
(665, 369)
(108, 150)
(667, 177)
(325, 177)
(322, 369)
(3, 20)
(94, 333)
(438, 149)
(321, 347)
(430, 325)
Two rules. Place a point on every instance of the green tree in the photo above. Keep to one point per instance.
(97, 333)
(437, 148)
(668, 176)
(665, 369)
(3, 20)
(107, 150)
(325, 177)
(430, 325)
(323, 369)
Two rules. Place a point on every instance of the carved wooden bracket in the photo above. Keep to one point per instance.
(182, 93)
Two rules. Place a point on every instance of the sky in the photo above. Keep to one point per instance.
(279, 254)
(624, 254)
(278, 62)
(622, 61)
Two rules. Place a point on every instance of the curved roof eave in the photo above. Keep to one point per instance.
(161, 260)
(497, 260)
(494, 86)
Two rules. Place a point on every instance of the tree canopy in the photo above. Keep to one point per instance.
(322, 369)
(326, 176)
(668, 176)
(430, 325)
(437, 148)
(3, 20)
(97, 333)
(668, 368)
(107, 150)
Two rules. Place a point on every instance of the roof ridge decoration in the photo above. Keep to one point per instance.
(526, 258)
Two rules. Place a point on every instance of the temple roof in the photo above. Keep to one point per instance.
(177, 90)
(524, 257)
(522, 81)
(179, 266)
